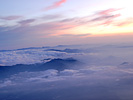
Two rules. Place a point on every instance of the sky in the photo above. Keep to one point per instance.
(54, 22)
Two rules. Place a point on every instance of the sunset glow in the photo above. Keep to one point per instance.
(40, 20)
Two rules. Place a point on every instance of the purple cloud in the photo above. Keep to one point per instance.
(26, 22)
(11, 17)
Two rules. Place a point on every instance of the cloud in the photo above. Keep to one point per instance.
(108, 17)
(108, 11)
(56, 4)
(125, 22)
(11, 17)
(27, 32)
(77, 35)
(29, 56)
(105, 17)
(52, 26)
(51, 17)
(26, 22)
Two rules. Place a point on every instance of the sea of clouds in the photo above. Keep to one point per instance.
(106, 74)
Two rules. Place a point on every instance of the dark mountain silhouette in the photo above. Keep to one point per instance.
(125, 63)
(66, 50)
(57, 64)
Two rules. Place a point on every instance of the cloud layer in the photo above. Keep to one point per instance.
(99, 74)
